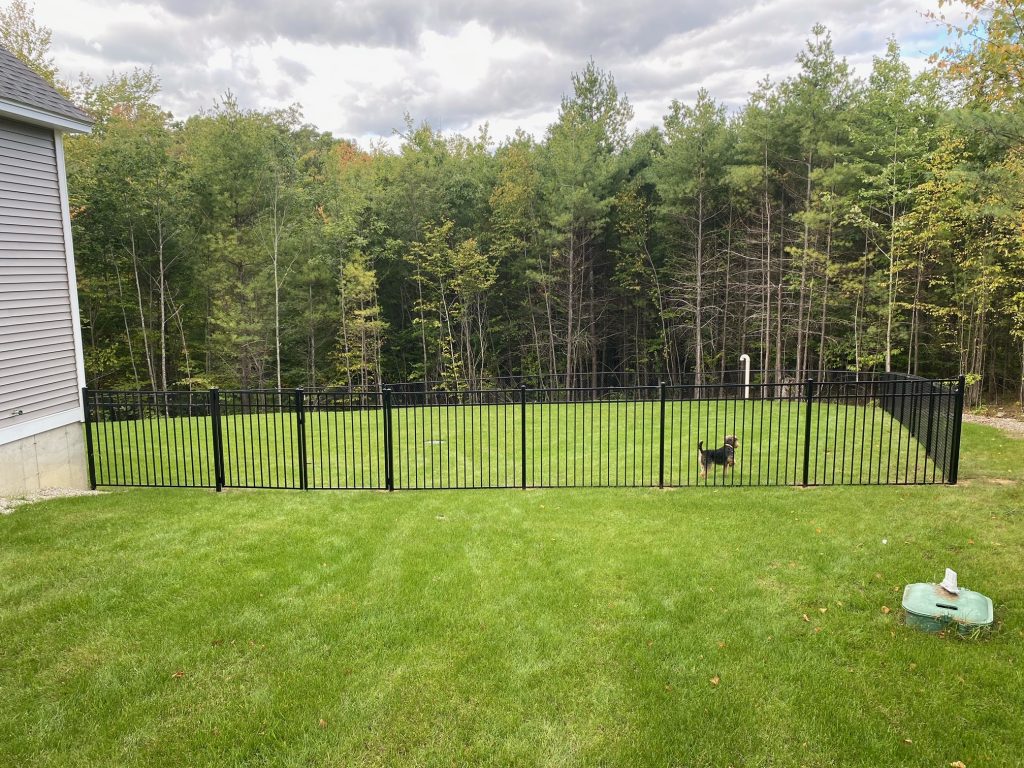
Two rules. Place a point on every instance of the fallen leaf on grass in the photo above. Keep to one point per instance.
(886, 609)
(805, 617)
(817, 630)
(908, 741)
(716, 680)
(323, 723)
(822, 610)
(721, 644)
(957, 764)
(178, 674)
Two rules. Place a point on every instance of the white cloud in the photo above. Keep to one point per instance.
(357, 66)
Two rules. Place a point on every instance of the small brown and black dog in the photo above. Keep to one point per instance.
(724, 456)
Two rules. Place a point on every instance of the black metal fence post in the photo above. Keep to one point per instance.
(300, 431)
(807, 430)
(958, 408)
(522, 433)
(218, 439)
(928, 428)
(90, 456)
(661, 436)
(389, 456)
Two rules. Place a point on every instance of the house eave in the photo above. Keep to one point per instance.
(23, 113)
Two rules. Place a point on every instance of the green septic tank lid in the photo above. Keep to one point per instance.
(930, 607)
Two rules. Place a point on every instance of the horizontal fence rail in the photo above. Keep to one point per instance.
(844, 429)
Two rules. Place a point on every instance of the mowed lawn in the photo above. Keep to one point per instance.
(691, 627)
(565, 444)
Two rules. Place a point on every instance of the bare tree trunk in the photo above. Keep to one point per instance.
(127, 332)
(142, 314)
(277, 290)
(890, 303)
(915, 332)
(725, 302)
(162, 290)
(766, 266)
(312, 338)
(592, 330)
(778, 296)
(698, 318)
(571, 306)
(801, 339)
(891, 293)
(665, 351)
(423, 331)
(184, 344)
(824, 300)
(346, 349)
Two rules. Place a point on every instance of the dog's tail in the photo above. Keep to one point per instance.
(700, 446)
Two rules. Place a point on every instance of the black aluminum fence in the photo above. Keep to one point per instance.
(843, 429)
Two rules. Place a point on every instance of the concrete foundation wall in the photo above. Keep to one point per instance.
(52, 459)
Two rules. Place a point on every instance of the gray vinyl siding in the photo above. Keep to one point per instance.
(38, 373)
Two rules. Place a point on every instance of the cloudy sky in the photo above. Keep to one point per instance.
(356, 66)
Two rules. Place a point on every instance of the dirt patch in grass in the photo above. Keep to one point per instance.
(988, 481)
(9, 503)
(1012, 427)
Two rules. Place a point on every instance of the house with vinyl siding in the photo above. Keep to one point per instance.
(41, 369)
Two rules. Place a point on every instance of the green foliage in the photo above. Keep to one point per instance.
(830, 222)
(27, 39)
(452, 280)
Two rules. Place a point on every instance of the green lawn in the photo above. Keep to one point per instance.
(542, 627)
(574, 444)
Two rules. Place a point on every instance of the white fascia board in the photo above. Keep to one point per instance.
(25, 114)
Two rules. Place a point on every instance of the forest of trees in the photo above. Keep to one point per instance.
(832, 222)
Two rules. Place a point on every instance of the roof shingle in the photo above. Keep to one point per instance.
(21, 85)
